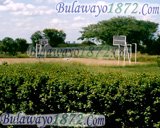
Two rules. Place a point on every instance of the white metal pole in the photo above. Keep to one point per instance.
(131, 53)
(40, 50)
(128, 53)
(45, 50)
(124, 55)
(135, 53)
(131, 50)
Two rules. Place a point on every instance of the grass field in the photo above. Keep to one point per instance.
(145, 63)
(92, 65)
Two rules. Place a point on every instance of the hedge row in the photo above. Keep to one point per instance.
(130, 101)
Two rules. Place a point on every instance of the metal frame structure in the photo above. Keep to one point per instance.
(121, 41)
(42, 43)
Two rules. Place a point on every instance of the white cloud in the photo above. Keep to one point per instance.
(58, 21)
(40, 10)
(101, 3)
(25, 9)
(5, 23)
(21, 22)
(79, 25)
(48, 1)
(3, 8)
(8, 1)
(30, 6)
(11, 6)
(38, 1)
(78, 18)
(53, 1)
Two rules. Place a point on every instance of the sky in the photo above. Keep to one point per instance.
(21, 18)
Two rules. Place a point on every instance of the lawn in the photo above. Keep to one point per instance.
(151, 69)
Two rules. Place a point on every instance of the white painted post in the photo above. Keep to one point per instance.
(131, 53)
(127, 53)
(45, 51)
(40, 50)
(135, 53)
(124, 55)
(131, 50)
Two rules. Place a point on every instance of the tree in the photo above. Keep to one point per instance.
(55, 37)
(36, 36)
(1, 45)
(88, 43)
(9, 45)
(22, 45)
(157, 46)
(136, 31)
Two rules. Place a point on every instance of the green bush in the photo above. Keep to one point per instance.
(158, 61)
(5, 63)
(129, 101)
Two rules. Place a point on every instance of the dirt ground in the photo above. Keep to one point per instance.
(80, 60)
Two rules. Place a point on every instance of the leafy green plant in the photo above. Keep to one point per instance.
(5, 63)
(126, 101)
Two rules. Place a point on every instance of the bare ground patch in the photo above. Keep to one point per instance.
(79, 60)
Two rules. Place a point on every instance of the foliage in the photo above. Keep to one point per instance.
(88, 43)
(152, 47)
(35, 37)
(55, 37)
(22, 45)
(158, 61)
(1, 49)
(157, 46)
(130, 101)
(5, 63)
(9, 45)
(63, 45)
(19, 55)
(74, 45)
(138, 31)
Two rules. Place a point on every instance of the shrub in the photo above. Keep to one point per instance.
(129, 101)
(5, 63)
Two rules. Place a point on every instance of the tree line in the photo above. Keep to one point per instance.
(8, 45)
(56, 39)
(144, 33)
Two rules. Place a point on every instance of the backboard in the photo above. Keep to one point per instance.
(119, 40)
